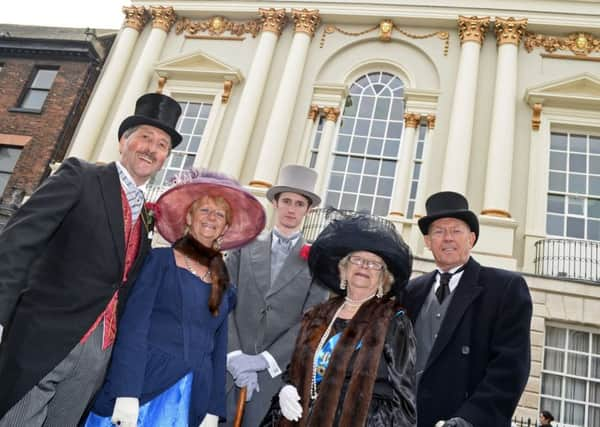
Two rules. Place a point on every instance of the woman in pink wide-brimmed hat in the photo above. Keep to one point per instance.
(168, 365)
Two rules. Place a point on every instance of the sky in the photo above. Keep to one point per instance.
(65, 13)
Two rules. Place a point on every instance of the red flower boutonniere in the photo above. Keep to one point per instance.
(149, 214)
(304, 251)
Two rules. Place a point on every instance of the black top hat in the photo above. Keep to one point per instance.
(158, 110)
(448, 204)
(359, 233)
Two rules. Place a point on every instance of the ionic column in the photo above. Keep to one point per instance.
(308, 135)
(236, 146)
(500, 155)
(331, 116)
(163, 19)
(456, 163)
(106, 88)
(403, 165)
(305, 24)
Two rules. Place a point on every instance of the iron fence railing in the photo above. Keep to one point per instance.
(318, 219)
(528, 422)
(566, 258)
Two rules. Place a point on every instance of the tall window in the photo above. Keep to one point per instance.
(8, 160)
(365, 153)
(574, 186)
(571, 376)
(314, 150)
(37, 91)
(191, 125)
(418, 163)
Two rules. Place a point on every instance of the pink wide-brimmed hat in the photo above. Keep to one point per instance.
(247, 214)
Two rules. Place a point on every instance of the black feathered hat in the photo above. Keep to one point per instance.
(158, 110)
(448, 204)
(359, 233)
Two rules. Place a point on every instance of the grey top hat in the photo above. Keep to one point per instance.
(296, 179)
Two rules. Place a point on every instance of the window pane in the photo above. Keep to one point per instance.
(556, 337)
(553, 360)
(595, 164)
(355, 164)
(381, 206)
(578, 143)
(34, 100)
(556, 203)
(335, 182)
(594, 185)
(378, 129)
(394, 130)
(576, 205)
(368, 185)
(575, 227)
(348, 201)
(593, 231)
(551, 385)
(359, 144)
(4, 177)
(558, 161)
(595, 144)
(574, 413)
(577, 183)
(579, 340)
(558, 141)
(557, 181)
(8, 158)
(594, 392)
(351, 183)
(374, 146)
(575, 389)
(555, 225)
(364, 204)
(43, 79)
(577, 163)
(366, 106)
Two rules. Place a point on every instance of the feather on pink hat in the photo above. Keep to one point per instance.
(247, 214)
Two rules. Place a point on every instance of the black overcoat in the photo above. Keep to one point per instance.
(62, 258)
(479, 363)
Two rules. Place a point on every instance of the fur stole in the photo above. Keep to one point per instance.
(213, 260)
(369, 324)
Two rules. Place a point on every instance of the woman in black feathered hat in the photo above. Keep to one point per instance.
(353, 364)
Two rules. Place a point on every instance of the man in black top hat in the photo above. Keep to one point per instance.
(69, 256)
(472, 325)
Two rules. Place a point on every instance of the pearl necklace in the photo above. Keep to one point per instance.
(357, 303)
(204, 277)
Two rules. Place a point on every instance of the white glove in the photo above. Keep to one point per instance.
(289, 402)
(210, 420)
(126, 411)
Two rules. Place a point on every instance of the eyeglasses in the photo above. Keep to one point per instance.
(370, 264)
(207, 212)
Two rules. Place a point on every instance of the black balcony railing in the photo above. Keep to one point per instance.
(318, 219)
(570, 259)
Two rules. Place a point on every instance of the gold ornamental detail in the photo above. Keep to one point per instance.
(215, 27)
(412, 120)
(331, 113)
(536, 117)
(162, 81)
(509, 30)
(472, 28)
(580, 44)
(500, 213)
(163, 17)
(386, 28)
(306, 21)
(273, 20)
(313, 112)
(430, 121)
(227, 86)
(135, 17)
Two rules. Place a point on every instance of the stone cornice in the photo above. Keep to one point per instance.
(306, 21)
(509, 30)
(472, 28)
(163, 17)
(135, 17)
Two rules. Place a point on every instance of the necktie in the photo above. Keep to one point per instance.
(282, 242)
(444, 289)
(134, 195)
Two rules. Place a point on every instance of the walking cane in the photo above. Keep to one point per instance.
(239, 411)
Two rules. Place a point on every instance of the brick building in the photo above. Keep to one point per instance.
(46, 77)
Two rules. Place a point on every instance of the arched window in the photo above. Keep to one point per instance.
(364, 156)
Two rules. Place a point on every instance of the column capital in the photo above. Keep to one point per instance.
(509, 30)
(430, 121)
(227, 86)
(411, 120)
(272, 20)
(472, 28)
(306, 21)
(135, 17)
(163, 17)
(331, 113)
(313, 112)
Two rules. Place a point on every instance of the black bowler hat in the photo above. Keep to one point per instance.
(158, 110)
(448, 204)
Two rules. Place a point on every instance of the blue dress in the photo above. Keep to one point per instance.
(170, 350)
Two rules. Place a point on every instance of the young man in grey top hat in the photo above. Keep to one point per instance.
(69, 256)
(274, 290)
(472, 326)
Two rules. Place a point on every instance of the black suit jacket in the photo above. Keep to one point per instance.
(62, 258)
(479, 363)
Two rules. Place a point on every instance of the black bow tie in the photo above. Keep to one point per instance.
(444, 289)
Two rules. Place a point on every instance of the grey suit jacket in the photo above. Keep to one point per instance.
(267, 318)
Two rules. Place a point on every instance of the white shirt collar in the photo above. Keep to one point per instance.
(453, 280)
(123, 169)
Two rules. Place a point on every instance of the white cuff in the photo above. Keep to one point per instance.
(232, 354)
(274, 368)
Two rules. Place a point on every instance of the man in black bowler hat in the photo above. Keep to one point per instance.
(472, 326)
(69, 256)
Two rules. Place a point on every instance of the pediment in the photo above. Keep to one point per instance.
(197, 66)
(581, 91)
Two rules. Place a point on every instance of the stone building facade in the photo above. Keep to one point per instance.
(391, 101)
